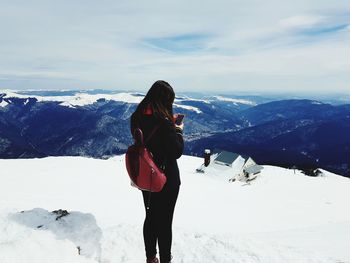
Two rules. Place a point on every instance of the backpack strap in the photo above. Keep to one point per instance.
(151, 134)
(140, 134)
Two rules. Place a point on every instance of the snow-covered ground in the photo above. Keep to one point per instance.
(279, 217)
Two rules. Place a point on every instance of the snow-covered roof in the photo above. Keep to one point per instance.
(226, 158)
(253, 169)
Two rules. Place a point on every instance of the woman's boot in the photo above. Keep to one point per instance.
(152, 260)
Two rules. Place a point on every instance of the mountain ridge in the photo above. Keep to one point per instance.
(285, 132)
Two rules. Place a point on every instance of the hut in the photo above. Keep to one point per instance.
(231, 166)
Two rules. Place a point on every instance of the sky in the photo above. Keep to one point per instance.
(232, 46)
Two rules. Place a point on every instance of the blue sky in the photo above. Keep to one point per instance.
(224, 45)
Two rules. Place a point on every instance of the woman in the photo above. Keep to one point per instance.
(166, 145)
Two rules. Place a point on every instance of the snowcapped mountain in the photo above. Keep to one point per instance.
(298, 132)
(35, 124)
(281, 216)
(289, 133)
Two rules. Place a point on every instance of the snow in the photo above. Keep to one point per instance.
(78, 228)
(236, 101)
(19, 244)
(186, 98)
(221, 98)
(3, 103)
(279, 217)
(186, 107)
(223, 172)
(79, 99)
(82, 99)
(316, 102)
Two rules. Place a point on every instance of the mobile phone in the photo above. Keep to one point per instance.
(179, 119)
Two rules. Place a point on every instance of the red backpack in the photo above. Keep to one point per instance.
(143, 172)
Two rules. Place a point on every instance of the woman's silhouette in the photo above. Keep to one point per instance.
(166, 145)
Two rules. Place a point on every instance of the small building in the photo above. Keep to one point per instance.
(231, 166)
(226, 158)
(252, 169)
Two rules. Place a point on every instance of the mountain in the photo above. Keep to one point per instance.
(289, 132)
(49, 128)
(66, 123)
(295, 110)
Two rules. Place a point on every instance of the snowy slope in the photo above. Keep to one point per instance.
(85, 98)
(3, 103)
(82, 99)
(79, 99)
(236, 101)
(280, 217)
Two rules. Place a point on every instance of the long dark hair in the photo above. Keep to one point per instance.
(160, 98)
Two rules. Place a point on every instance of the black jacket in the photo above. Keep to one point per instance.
(166, 144)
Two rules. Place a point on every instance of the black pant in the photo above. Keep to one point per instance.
(158, 221)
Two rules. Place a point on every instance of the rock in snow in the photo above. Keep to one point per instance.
(79, 228)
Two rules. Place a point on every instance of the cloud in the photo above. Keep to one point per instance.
(179, 43)
(301, 21)
(321, 30)
(197, 45)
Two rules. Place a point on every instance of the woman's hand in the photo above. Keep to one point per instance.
(177, 125)
(181, 126)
